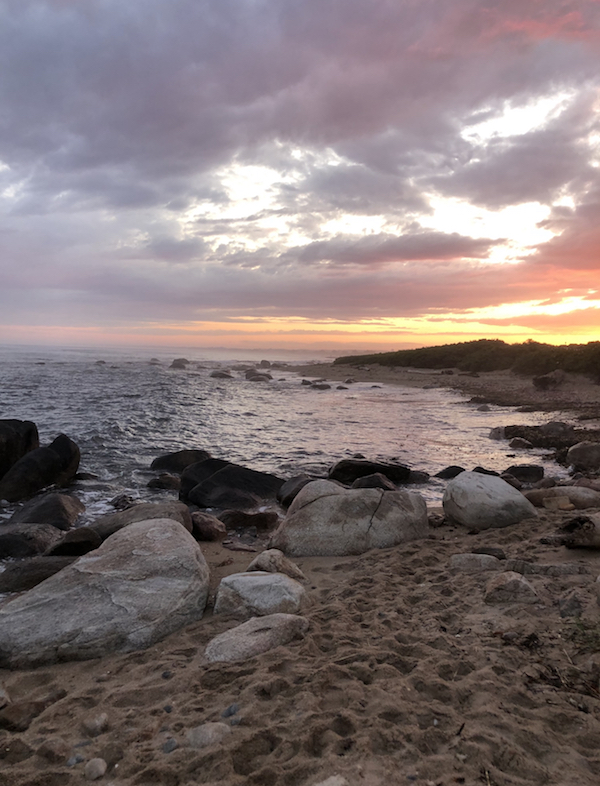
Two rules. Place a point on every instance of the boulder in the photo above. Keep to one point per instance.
(288, 490)
(348, 470)
(17, 437)
(375, 481)
(53, 465)
(234, 486)
(526, 473)
(207, 734)
(178, 461)
(510, 587)
(143, 583)
(257, 635)
(579, 496)
(275, 561)
(482, 502)
(328, 520)
(59, 510)
(584, 455)
(194, 474)
(207, 527)
(171, 509)
(76, 543)
(26, 540)
(26, 573)
(258, 593)
(165, 481)
(221, 374)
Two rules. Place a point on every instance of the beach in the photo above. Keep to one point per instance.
(409, 673)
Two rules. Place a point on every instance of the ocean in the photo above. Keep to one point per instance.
(125, 407)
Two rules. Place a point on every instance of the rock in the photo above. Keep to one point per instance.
(258, 377)
(484, 471)
(374, 481)
(520, 443)
(511, 481)
(55, 750)
(582, 532)
(288, 490)
(258, 593)
(165, 481)
(497, 433)
(143, 583)
(170, 509)
(328, 520)
(579, 496)
(95, 725)
(95, 769)
(348, 470)
(59, 510)
(510, 587)
(207, 527)
(526, 473)
(75, 543)
(320, 386)
(474, 563)
(178, 461)
(196, 473)
(17, 437)
(558, 503)
(234, 486)
(584, 455)
(275, 561)
(4, 697)
(264, 521)
(334, 780)
(26, 540)
(14, 750)
(26, 573)
(570, 606)
(207, 734)
(449, 472)
(484, 501)
(221, 374)
(53, 465)
(494, 551)
(418, 476)
(257, 635)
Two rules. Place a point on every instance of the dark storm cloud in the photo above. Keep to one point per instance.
(116, 118)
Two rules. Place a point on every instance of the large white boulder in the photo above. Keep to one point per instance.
(144, 582)
(484, 501)
(326, 519)
(257, 635)
(258, 593)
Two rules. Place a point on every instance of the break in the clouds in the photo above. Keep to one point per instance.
(198, 161)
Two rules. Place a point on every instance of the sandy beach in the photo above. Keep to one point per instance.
(406, 675)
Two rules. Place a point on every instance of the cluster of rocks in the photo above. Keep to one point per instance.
(131, 577)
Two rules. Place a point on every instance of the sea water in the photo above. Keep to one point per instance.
(124, 408)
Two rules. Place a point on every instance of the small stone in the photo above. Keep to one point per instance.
(95, 769)
(570, 606)
(76, 759)
(510, 587)
(207, 734)
(13, 751)
(95, 726)
(233, 709)
(474, 563)
(170, 745)
(54, 750)
(166, 675)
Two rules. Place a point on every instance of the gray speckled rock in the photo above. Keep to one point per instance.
(258, 593)
(327, 520)
(484, 502)
(257, 635)
(143, 583)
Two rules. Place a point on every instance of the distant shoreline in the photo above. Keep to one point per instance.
(576, 394)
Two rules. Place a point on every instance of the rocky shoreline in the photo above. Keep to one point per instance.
(326, 632)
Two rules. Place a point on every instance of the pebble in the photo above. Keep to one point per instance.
(76, 759)
(95, 769)
(170, 745)
(96, 726)
(54, 750)
(207, 734)
(233, 709)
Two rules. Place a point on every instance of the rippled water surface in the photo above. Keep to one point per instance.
(124, 411)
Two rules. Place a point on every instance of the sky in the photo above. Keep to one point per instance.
(358, 174)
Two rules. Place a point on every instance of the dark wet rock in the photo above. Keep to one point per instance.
(59, 510)
(264, 521)
(288, 490)
(26, 573)
(512, 480)
(550, 435)
(375, 481)
(549, 381)
(418, 476)
(165, 481)
(585, 455)
(484, 471)
(265, 364)
(520, 443)
(221, 374)
(194, 474)
(234, 486)
(76, 543)
(570, 605)
(341, 387)
(526, 473)
(320, 386)
(180, 363)
(449, 472)
(56, 464)
(14, 750)
(306, 382)
(497, 433)
(170, 509)
(259, 377)
(178, 461)
(206, 527)
(17, 437)
(348, 470)
(26, 540)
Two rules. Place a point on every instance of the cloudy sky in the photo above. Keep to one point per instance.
(310, 173)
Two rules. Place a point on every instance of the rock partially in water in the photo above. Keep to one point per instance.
(56, 464)
(59, 510)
